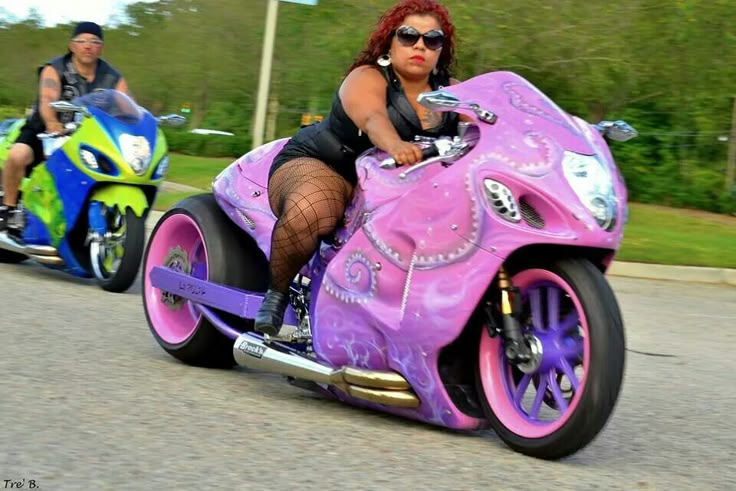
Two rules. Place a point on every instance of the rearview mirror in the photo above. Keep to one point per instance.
(443, 101)
(68, 107)
(438, 100)
(65, 107)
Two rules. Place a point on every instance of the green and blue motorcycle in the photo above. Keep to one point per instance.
(83, 209)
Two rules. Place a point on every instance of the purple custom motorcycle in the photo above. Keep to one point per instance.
(465, 291)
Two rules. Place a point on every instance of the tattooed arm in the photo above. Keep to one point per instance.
(122, 86)
(49, 91)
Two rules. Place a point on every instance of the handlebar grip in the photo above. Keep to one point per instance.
(46, 136)
(388, 163)
(427, 152)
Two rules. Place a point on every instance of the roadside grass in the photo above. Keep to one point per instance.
(660, 235)
(197, 172)
(654, 234)
(167, 199)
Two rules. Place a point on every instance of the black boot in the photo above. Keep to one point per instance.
(7, 222)
(270, 316)
(4, 216)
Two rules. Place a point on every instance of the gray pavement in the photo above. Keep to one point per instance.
(89, 401)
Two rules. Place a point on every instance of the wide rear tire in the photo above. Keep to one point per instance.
(197, 238)
(561, 406)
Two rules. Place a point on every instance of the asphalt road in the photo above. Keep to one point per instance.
(89, 401)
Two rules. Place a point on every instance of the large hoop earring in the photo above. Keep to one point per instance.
(384, 60)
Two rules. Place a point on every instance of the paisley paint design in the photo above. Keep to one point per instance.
(528, 99)
(551, 155)
(358, 284)
(42, 199)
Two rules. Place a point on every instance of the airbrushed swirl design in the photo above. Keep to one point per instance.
(364, 352)
(412, 360)
(455, 244)
(360, 283)
(551, 155)
(522, 103)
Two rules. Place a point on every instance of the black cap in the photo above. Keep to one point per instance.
(87, 28)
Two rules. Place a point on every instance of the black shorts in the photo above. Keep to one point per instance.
(317, 142)
(28, 136)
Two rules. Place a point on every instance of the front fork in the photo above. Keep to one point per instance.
(97, 222)
(517, 348)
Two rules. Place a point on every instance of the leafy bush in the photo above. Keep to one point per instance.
(11, 112)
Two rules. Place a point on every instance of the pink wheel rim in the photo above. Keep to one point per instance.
(177, 230)
(501, 389)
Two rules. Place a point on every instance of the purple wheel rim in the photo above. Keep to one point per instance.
(538, 404)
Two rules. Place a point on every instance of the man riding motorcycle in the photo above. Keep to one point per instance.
(76, 73)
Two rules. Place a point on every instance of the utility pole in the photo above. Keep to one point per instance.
(731, 167)
(264, 81)
(265, 78)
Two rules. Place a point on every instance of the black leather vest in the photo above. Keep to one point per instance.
(74, 85)
(337, 141)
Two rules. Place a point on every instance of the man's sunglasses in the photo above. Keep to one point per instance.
(94, 42)
(408, 36)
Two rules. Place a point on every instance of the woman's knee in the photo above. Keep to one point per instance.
(299, 216)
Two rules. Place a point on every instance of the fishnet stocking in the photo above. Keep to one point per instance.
(308, 198)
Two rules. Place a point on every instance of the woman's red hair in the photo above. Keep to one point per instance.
(379, 41)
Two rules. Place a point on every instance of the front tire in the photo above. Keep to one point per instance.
(116, 259)
(195, 237)
(561, 406)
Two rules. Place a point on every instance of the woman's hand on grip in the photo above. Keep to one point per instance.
(405, 153)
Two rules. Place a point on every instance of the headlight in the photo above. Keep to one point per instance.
(592, 182)
(136, 152)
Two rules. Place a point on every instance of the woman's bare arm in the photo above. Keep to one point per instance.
(363, 96)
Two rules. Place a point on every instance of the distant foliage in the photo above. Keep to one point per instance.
(667, 67)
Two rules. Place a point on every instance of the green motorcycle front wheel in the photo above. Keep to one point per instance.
(116, 257)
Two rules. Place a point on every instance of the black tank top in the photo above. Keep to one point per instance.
(337, 141)
(74, 85)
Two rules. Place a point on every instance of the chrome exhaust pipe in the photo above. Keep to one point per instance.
(50, 260)
(382, 387)
(31, 250)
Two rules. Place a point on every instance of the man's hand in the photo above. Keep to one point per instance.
(55, 127)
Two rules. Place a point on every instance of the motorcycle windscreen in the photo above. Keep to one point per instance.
(524, 113)
(115, 103)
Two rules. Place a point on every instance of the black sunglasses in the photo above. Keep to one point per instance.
(408, 36)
